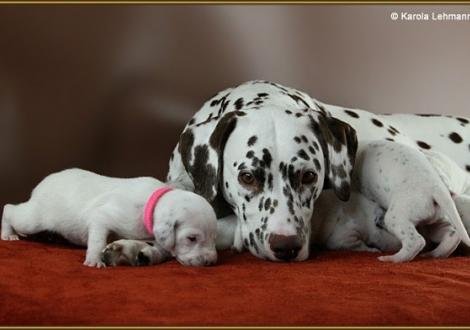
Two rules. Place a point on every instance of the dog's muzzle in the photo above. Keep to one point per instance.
(285, 247)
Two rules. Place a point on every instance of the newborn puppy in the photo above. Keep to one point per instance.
(85, 208)
(402, 181)
(355, 225)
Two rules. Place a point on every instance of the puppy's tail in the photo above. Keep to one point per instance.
(449, 210)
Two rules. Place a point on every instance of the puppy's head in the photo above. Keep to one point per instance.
(185, 225)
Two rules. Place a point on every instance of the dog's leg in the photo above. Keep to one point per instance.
(445, 234)
(97, 235)
(8, 233)
(397, 222)
(134, 253)
(20, 220)
(462, 202)
(226, 228)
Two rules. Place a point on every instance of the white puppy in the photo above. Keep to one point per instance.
(85, 208)
(355, 225)
(402, 181)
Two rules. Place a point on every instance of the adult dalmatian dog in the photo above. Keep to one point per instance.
(264, 152)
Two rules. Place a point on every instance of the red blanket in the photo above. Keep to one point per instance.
(44, 284)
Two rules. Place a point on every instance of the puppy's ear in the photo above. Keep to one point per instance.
(202, 148)
(339, 144)
(165, 234)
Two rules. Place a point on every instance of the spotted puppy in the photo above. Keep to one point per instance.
(401, 180)
(85, 208)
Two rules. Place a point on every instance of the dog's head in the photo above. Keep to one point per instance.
(185, 225)
(269, 166)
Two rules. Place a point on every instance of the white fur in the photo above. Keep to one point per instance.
(85, 208)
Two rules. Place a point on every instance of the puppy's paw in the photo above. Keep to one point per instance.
(94, 263)
(112, 254)
(12, 237)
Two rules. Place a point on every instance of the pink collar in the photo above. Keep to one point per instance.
(150, 207)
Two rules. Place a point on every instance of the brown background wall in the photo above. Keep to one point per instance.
(109, 87)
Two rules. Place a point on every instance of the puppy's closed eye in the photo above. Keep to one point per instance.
(192, 238)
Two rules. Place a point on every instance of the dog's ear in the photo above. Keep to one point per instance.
(339, 144)
(165, 234)
(202, 147)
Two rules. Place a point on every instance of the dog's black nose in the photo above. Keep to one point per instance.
(285, 247)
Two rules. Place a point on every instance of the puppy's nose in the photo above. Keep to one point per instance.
(285, 247)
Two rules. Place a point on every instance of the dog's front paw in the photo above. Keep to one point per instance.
(12, 237)
(94, 263)
(133, 253)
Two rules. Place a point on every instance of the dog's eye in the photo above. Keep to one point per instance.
(246, 178)
(309, 177)
(191, 238)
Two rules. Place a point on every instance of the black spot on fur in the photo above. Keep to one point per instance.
(377, 122)
(245, 243)
(467, 167)
(390, 139)
(455, 137)
(288, 112)
(267, 158)
(298, 99)
(352, 113)
(317, 164)
(253, 242)
(302, 154)
(463, 121)
(304, 138)
(239, 104)
(185, 144)
(267, 203)
(261, 203)
(297, 139)
(270, 181)
(203, 169)
(252, 140)
(250, 154)
(393, 129)
(423, 145)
